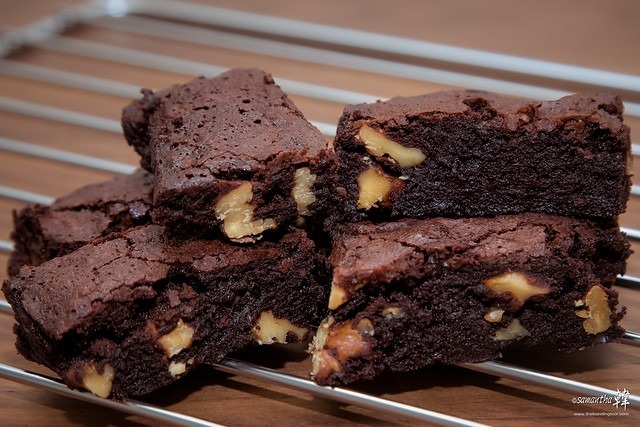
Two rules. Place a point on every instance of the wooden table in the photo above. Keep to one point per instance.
(603, 35)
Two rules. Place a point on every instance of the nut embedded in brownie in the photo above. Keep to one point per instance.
(231, 154)
(470, 153)
(96, 210)
(132, 312)
(412, 293)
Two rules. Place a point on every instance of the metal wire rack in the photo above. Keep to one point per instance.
(64, 35)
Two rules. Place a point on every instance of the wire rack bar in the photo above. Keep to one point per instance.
(69, 79)
(138, 58)
(631, 233)
(6, 246)
(37, 34)
(240, 368)
(628, 281)
(59, 115)
(505, 370)
(312, 32)
(50, 26)
(356, 39)
(5, 308)
(324, 57)
(250, 370)
(111, 87)
(62, 156)
(24, 196)
(631, 338)
(179, 32)
(128, 406)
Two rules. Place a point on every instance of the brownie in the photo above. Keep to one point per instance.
(467, 153)
(416, 292)
(45, 232)
(231, 154)
(132, 312)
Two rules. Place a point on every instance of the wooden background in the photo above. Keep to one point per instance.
(596, 34)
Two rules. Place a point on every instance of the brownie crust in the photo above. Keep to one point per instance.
(412, 293)
(45, 232)
(482, 154)
(208, 137)
(143, 309)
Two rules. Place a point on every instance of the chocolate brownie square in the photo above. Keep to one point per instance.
(231, 154)
(132, 312)
(470, 153)
(45, 232)
(412, 293)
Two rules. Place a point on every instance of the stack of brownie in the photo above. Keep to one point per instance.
(443, 228)
(130, 284)
(473, 223)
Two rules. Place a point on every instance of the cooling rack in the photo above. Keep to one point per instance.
(63, 81)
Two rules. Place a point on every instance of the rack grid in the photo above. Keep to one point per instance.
(44, 54)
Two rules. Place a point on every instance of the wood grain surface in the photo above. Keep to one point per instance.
(596, 34)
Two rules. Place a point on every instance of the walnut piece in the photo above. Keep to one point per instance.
(270, 329)
(377, 144)
(597, 313)
(392, 312)
(319, 358)
(374, 187)
(302, 191)
(494, 315)
(337, 296)
(177, 340)
(236, 213)
(335, 343)
(177, 368)
(98, 383)
(365, 327)
(514, 331)
(517, 284)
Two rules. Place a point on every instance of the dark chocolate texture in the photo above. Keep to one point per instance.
(486, 154)
(145, 309)
(140, 307)
(207, 137)
(413, 293)
(45, 232)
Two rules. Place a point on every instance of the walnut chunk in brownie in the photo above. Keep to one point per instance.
(412, 293)
(231, 155)
(469, 153)
(132, 312)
